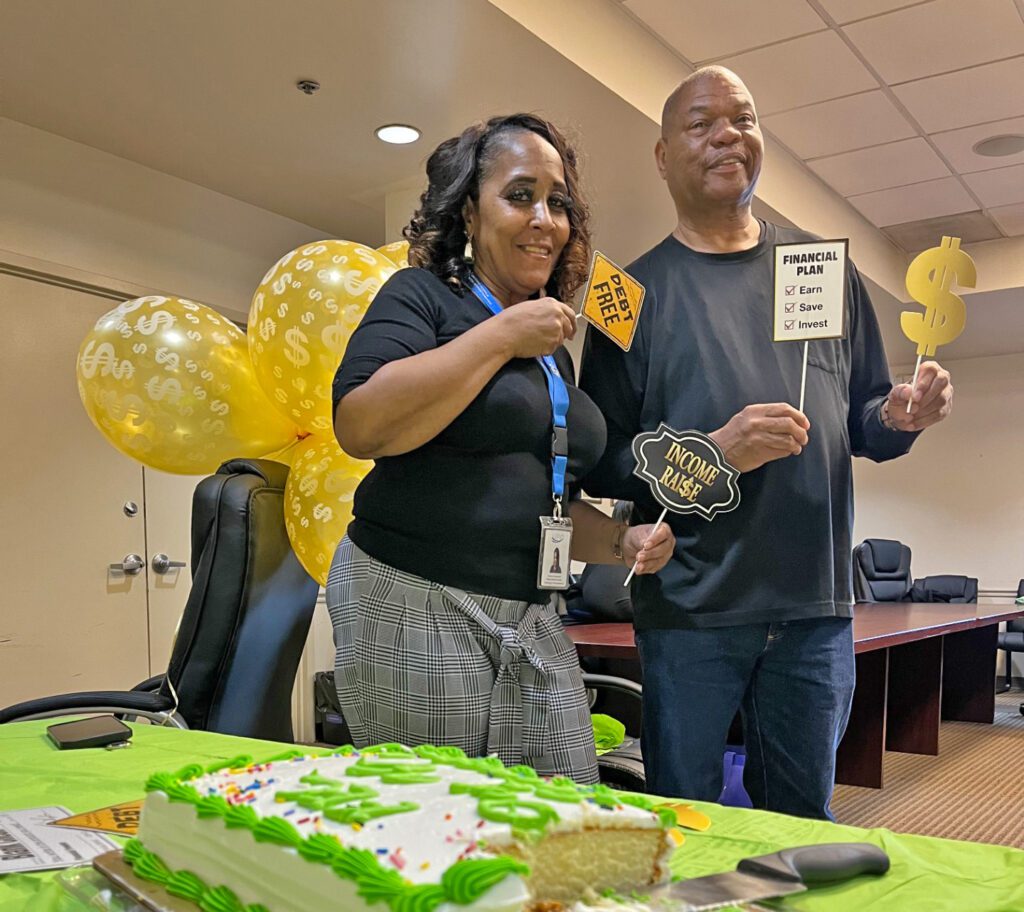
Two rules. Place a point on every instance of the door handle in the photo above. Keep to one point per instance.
(163, 564)
(130, 566)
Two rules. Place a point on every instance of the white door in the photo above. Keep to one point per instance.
(168, 534)
(70, 507)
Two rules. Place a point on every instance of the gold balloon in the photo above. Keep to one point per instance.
(318, 501)
(169, 382)
(398, 253)
(302, 315)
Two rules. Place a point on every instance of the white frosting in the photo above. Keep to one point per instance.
(420, 844)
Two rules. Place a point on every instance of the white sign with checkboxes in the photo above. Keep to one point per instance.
(810, 290)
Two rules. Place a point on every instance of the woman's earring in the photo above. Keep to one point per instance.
(467, 253)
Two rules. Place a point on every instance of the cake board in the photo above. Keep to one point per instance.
(149, 895)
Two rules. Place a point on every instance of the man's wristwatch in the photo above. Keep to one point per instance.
(887, 421)
(620, 532)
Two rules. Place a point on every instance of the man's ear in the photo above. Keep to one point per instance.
(660, 156)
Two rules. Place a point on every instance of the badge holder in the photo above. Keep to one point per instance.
(555, 541)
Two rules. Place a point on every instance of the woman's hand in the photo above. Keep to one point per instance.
(536, 327)
(648, 547)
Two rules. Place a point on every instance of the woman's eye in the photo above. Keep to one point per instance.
(520, 195)
(560, 202)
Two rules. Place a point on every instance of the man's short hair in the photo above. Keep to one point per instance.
(699, 75)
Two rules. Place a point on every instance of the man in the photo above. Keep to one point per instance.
(754, 612)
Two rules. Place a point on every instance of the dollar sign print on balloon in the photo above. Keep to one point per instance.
(302, 315)
(929, 277)
(181, 400)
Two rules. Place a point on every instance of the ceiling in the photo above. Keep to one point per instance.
(882, 99)
(206, 92)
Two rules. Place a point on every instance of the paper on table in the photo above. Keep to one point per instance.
(27, 843)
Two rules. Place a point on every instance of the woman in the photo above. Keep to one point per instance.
(444, 633)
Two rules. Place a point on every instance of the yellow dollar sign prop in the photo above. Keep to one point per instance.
(318, 501)
(302, 315)
(398, 253)
(169, 382)
(928, 279)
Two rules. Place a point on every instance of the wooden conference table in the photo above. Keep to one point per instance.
(917, 664)
(926, 873)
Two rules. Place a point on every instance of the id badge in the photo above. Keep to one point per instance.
(553, 564)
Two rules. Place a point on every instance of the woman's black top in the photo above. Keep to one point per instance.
(463, 509)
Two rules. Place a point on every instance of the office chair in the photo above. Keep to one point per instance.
(244, 626)
(881, 571)
(1012, 641)
(959, 590)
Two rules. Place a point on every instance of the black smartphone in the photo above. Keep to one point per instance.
(96, 731)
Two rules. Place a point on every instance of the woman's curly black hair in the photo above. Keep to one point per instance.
(455, 169)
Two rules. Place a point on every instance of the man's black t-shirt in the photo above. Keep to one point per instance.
(462, 510)
(703, 351)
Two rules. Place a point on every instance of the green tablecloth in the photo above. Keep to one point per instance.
(927, 874)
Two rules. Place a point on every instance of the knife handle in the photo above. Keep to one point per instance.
(819, 864)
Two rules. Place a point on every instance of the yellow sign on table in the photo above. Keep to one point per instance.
(613, 301)
(122, 819)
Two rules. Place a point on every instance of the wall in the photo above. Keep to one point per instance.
(958, 498)
(71, 205)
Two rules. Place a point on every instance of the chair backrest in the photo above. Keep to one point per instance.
(248, 613)
(1017, 626)
(945, 588)
(881, 570)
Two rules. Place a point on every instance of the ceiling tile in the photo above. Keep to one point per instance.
(957, 145)
(848, 10)
(973, 96)
(938, 37)
(914, 202)
(892, 165)
(1010, 219)
(802, 71)
(839, 125)
(999, 187)
(970, 227)
(735, 26)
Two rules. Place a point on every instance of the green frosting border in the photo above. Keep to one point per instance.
(463, 883)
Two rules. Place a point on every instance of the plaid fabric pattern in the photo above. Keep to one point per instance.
(422, 663)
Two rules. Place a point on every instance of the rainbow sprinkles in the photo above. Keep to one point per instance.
(422, 829)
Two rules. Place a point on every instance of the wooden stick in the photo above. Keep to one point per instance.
(655, 529)
(913, 384)
(803, 376)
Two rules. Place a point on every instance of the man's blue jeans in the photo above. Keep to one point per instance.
(793, 683)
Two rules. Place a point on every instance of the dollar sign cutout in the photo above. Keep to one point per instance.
(928, 279)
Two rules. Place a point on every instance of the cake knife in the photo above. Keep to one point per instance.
(766, 876)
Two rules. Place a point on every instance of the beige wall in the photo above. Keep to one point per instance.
(958, 498)
(71, 205)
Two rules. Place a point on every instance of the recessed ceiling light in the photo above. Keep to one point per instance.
(400, 134)
(1004, 144)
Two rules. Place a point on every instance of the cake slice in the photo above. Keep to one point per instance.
(389, 827)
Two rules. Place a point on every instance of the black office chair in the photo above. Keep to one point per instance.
(881, 571)
(955, 590)
(244, 626)
(1012, 641)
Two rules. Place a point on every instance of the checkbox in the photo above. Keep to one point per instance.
(788, 324)
(789, 308)
(791, 289)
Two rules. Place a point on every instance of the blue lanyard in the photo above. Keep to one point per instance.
(557, 392)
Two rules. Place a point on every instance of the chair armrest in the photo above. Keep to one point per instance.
(152, 705)
(150, 685)
(611, 682)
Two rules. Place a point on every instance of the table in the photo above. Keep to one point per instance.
(927, 873)
(917, 664)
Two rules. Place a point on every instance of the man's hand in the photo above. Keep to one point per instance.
(762, 433)
(649, 547)
(930, 401)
